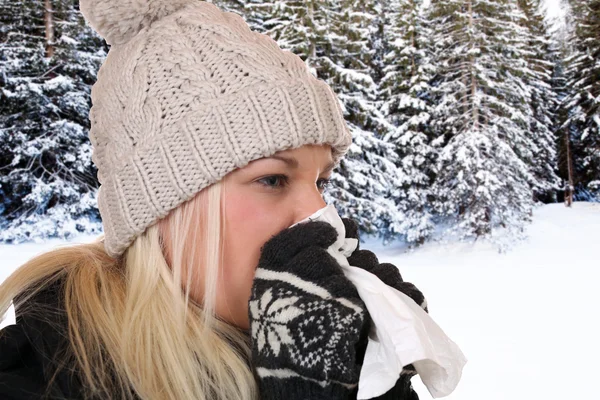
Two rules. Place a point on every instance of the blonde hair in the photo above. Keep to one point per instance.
(132, 327)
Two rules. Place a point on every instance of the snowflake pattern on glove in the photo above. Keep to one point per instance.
(304, 331)
(272, 317)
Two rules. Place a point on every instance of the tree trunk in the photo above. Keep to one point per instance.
(569, 189)
(412, 38)
(474, 110)
(49, 25)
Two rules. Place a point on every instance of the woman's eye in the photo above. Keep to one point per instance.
(281, 181)
(274, 181)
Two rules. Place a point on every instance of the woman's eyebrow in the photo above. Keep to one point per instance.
(293, 163)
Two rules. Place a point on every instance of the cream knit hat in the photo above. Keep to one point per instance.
(187, 94)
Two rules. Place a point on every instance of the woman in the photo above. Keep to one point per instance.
(210, 142)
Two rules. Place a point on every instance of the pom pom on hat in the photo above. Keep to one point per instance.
(117, 21)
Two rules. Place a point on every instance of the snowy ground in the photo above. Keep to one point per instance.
(528, 320)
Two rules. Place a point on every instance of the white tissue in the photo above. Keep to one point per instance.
(403, 332)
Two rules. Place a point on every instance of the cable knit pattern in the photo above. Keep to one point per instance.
(189, 98)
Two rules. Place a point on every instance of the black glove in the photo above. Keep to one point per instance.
(305, 318)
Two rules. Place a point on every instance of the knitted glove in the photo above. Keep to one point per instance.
(305, 318)
(390, 275)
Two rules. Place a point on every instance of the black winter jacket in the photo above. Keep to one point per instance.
(33, 349)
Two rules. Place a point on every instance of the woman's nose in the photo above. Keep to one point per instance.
(308, 203)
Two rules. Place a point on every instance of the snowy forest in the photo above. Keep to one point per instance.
(465, 114)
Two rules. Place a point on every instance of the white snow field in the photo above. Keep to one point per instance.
(528, 320)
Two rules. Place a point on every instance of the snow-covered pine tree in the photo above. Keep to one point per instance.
(349, 66)
(406, 103)
(257, 13)
(301, 27)
(363, 182)
(583, 101)
(48, 61)
(484, 177)
(367, 176)
(541, 56)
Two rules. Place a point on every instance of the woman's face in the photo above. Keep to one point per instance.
(261, 199)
